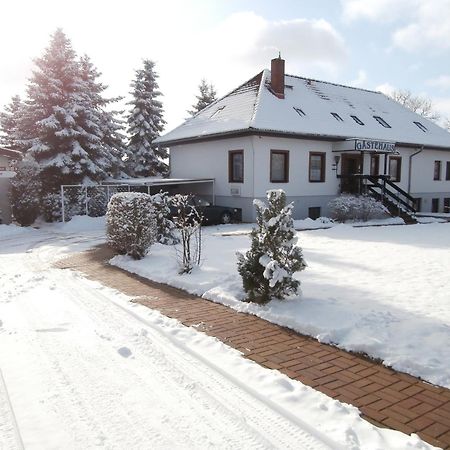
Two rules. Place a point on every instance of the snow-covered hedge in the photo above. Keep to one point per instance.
(361, 208)
(131, 223)
(25, 193)
(166, 228)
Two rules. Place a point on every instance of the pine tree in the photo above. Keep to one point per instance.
(145, 123)
(65, 126)
(104, 138)
(50, 115)
(267, 268)
(206, 97)
(9, 124)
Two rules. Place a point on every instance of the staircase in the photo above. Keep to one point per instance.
(397, 201)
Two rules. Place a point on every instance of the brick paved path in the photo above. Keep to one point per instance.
(385, 397)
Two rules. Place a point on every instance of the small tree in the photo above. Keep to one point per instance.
(206, 97)
(25, 193)
(267, 269)
(166, 229)
(420, 105)
(131, 223)
(189, 224)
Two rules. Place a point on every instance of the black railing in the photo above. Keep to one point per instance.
(381, 187)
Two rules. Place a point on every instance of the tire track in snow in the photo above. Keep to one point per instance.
(219, 400)
(9, 431)
(211, 371)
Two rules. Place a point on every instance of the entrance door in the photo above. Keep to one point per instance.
(351, 165)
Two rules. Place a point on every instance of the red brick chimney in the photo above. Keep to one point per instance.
(277, 76)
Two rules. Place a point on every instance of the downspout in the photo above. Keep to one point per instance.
(410, 167)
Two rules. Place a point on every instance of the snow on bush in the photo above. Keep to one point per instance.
(97, 201)
(131, 223)
(267, 269)
(51, 207)
(361, 208)
(189, 225)
(166, 233)
(25, 193)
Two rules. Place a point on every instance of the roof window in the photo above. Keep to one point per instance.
(217, 111)
(421, 126)
(337, 117)
(357, 120)
(381, 121)
(300, 112)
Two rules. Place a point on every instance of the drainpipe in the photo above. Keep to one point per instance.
(410, 167)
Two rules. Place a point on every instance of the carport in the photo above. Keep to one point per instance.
(204, 187)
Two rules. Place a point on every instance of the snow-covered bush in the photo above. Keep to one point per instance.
(97, 201)
(131, 223)
(51, 207)
(267, 269)
(189, 224)
(25, 193)
(362, 208)
(166, 233)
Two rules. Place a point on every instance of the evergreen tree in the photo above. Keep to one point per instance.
(104, 138)
(9, 124)
(65, 127)
(206, 97)
(267, 268)
(145, 123)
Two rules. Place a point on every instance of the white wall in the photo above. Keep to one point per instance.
(299, 184)
(210, 160)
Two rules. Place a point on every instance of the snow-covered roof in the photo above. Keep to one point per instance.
(155, 181)
(310, 108)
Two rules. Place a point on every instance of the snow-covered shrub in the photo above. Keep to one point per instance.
(166, 228)
(97, 201)
(51, 207)
(25, 193)
(189, 224)
(131, 223)
(267, 269)
(351, 207)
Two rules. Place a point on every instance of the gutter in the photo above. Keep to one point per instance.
(410, 167)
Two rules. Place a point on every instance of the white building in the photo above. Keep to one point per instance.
(313, 139)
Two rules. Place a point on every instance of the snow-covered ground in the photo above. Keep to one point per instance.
(82, 367)
(380, 290)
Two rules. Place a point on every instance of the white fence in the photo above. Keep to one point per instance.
(77, 199)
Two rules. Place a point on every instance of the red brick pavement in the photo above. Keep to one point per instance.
(385, 397)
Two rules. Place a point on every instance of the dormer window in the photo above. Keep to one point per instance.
(337, 117)
(300, 112)
(421, 127)
(381, 121)
(357, 120)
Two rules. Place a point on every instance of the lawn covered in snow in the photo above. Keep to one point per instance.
(384, 290)
(81, 368)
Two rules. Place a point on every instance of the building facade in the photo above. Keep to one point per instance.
(315, 140)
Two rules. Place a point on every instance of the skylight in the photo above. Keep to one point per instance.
(300, 112)
(381, 121)
(337, 117)
(357, 120)
(217, 111)
(421, 127)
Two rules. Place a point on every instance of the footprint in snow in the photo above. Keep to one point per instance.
(125, 352)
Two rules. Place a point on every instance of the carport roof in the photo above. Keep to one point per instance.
(156, 181)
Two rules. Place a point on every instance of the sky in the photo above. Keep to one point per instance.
(373, 44)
